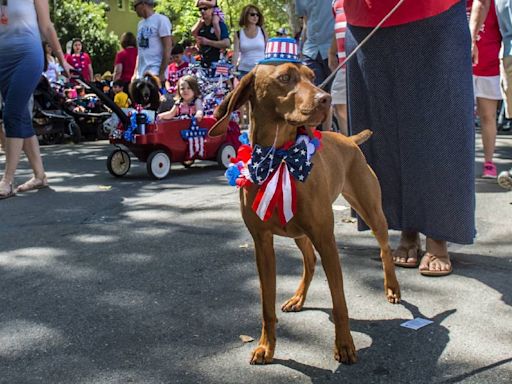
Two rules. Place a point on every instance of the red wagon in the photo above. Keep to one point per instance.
(163, 144)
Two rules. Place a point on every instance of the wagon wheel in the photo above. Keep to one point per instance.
(224, 155)
(159, 164)
(118, 163)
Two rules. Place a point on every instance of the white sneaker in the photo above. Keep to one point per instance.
(505, 179)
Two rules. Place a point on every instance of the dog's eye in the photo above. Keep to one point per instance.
(284, 78)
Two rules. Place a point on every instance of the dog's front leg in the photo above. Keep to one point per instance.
(325, 244)
(266, 263)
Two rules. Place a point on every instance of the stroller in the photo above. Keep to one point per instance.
(51, 123)
(90, 112)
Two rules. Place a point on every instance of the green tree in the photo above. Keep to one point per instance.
(87, 21)
(184, 14)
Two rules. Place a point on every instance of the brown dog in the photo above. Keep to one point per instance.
(283, 99)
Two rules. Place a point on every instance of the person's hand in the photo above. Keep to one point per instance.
(474, 53)
(202, 40)
(66, 67)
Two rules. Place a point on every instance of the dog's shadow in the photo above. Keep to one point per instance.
(396, 353)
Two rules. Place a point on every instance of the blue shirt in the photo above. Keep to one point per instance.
(320, 26)
(504, 13)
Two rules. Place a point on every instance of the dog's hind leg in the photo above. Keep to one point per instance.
(296, 302)
(266, 263)
(364, 195)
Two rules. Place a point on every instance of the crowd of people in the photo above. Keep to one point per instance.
(418, 105)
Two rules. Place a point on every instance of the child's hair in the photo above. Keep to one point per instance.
(118, 83)
(177, 50)
(192, 83)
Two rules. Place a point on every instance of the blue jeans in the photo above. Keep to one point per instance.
(319, 66)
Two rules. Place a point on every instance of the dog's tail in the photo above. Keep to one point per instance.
(361, 137)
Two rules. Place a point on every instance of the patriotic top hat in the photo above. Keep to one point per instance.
(280, 50)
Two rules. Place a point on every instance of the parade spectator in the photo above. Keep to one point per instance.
(51, 66)
(318, 24)
(336, 56)
(187, 101)
(218, 15)
(504, 14)
(209, 45)
(25, 22)
(420, 108)
(249, 41)
(176, 68)
(124, 63)
(189, 52)
(154, 41)
(80, 60)
(486, 80)
(120, 97)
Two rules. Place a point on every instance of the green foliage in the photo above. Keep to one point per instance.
(87, 21)
(184, 14)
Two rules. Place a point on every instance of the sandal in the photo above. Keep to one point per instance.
(32, 184)
(430, 258)
(5, 194)
(412, 251)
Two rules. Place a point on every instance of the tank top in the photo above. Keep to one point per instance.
(252, 50)
(19, 24)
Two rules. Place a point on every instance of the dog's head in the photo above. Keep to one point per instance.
(279, 94)
(145, 92)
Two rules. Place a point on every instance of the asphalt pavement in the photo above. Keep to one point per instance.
(131, 280)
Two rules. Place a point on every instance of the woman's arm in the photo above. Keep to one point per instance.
(118, 70)
(48, 32)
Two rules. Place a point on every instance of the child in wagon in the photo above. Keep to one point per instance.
(188, 102)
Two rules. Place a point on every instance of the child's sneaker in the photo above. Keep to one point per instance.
(489, 170)
(505, 179)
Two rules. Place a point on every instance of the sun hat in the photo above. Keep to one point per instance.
(280, 50)
(107, 75)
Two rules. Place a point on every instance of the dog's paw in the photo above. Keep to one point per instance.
(392, 291)
(345, 353)
(293, 304)
(262, 355)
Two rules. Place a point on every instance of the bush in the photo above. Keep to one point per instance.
(87, 21)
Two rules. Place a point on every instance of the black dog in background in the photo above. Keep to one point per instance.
(145, 91)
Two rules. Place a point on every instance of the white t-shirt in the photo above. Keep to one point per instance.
(150, 48)
(252, 50)
(21, 26)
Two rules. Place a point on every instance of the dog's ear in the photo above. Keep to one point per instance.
(233, 100)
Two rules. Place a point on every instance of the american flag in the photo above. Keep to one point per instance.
(222, 70)
(273, 170)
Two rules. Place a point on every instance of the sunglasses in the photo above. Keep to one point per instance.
(254, 14)
(203, 9)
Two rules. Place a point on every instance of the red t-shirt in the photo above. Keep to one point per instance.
(127, 58)
(81, 63)
(340, 26)
(369, 13)
(488, 43)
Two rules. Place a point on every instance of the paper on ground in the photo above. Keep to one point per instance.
(416, 324)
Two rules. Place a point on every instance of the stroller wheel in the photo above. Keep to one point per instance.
(75, 132)
(159, 164)
(118, 163)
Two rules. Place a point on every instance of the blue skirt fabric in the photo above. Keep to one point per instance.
(412, 86)
(21, 68)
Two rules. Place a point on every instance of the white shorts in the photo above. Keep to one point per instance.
(339, 88)
(487, 87)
